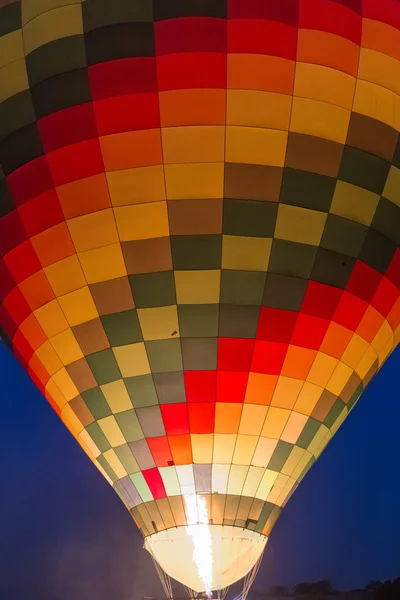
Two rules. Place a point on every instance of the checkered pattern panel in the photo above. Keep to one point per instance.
(199, 234)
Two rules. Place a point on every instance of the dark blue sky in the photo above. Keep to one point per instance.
(65, 535)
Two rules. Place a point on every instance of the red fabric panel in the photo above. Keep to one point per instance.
(123, 76)
(130, 112)
(231, 386)
(41, 213)
(385, 296)
(262, 37)
(235, 354)
(321, 300)
(190, 34)
(75, 161)
(350, 311)
(155, 483)
(285, 11)
(160, 450)
(200, 386)
(30, 180)
(175, 418)
(275, 325)
(364, 281)
(191, 70)
(325, 15)
(268, 357)
(22, 261)
(201, 417)
(309, 331)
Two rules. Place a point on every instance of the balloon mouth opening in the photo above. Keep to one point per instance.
(206, 557)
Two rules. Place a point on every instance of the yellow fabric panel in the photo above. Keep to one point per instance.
(78, 306)
(294, 427)
(339, 378)
(245, 253)
(293, 461)
(266, 484)
(224, 446)
(366, 362)
(202, 447)
(11, 48)
(111, 430)
(65, 384)
(279, 485)
(52, 25)
(308, 398)
(132, 359)
(252, 419)
(136, 186)
(252, 481)
(103, 264)
(264, 451)
(51, 318)
(158, 323)
(115, 463)
(275, 422)
(320, 119)
(142, 221)
(322, 83)
(65, 275)
(71, 420)
(378, 103)
(49, 358)
(254, 108)
(190, 181)
(339, 420)
(200, 144)
(197, 287)
(286, 392)
(53, 392)
(244, 449)
(318, 439)
(383, 336)
(377, 67)
(67, 347)
(237, 477)
(87, 441)
(392, 186)
(255, 146)
(13, 79)
(355, 350)
(117, 396)
(227, 417)
(93, 230)
(322, 369)
(354, 203)
(301, 225)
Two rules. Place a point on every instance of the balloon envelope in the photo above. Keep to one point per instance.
(199, 232)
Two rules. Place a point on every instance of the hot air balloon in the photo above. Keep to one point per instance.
(199, 241)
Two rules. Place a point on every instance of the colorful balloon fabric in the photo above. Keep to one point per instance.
(199, 242)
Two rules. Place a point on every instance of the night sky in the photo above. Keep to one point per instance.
(65, 535)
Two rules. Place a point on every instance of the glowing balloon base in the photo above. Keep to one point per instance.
(206, 557)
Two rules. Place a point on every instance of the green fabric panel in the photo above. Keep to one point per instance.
(122, 328)
(96, 403)
(104, 366)
(141, 390)
(129, 425)
(198, 320)
(249, 218)
(153, 289)
(164, 355)
(98, 436)
(242, 287)
(280, 455)
(191, 252)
